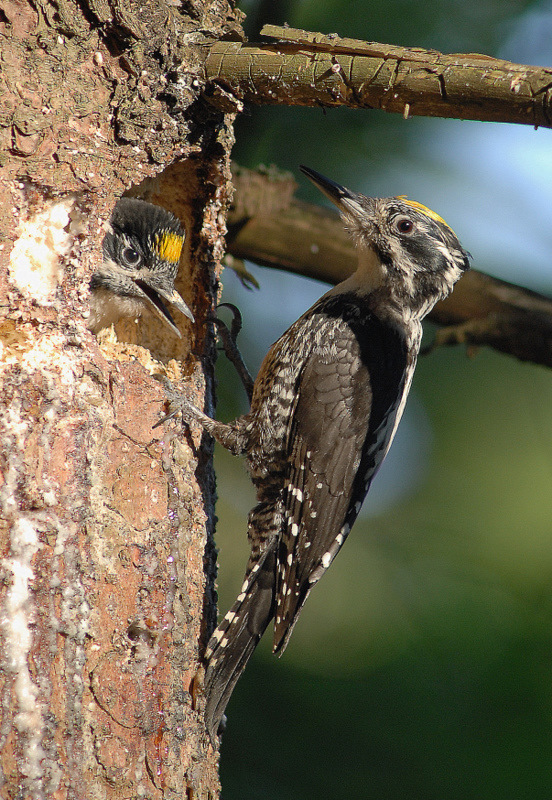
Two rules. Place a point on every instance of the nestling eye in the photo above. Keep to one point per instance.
(131, 257)
(404, 225)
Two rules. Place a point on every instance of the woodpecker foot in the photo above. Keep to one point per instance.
(177, 404)
(237, 320)
(190, 412)
(229, 436)
(237, 265)
(228, 337)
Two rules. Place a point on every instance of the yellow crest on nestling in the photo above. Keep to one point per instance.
(424, 209)
(169, 246)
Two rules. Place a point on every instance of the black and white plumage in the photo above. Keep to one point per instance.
(141, 254)
(325, 407)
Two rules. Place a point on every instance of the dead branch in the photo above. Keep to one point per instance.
(310, 69)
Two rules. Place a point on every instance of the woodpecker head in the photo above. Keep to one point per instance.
(409, 249)
(141, 253)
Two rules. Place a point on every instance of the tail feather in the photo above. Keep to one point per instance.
(233, 642)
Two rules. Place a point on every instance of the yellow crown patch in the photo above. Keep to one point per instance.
(169, 246)
(424, 209)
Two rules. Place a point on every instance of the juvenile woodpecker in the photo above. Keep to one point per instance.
(141, 253)
(325, 407)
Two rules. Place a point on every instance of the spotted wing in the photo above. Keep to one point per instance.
(347, 400)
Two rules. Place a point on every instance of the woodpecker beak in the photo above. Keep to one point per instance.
(156, 294)
(346, 201)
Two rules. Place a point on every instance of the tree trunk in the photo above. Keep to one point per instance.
(106, 526)
(108, 562)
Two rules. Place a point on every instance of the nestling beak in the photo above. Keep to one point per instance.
(155, 294)
(347, 202)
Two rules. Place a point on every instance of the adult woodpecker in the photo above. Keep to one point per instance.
(325, 407)
(141, 254)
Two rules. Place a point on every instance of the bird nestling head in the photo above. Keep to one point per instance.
(141, 254)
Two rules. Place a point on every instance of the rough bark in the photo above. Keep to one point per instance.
(106, 526)
(311, 69)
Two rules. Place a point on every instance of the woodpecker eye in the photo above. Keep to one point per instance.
(404, 225)
(130, 257)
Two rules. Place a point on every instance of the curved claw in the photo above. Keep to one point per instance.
(165, 418)
(176, 402)
(228, 337)
(180, 405)
(237, 319)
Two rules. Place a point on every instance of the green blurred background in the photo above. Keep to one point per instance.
(421, 666)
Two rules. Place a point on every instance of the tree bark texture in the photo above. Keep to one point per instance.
(107, 594)
(108, 565)
(311, 69)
